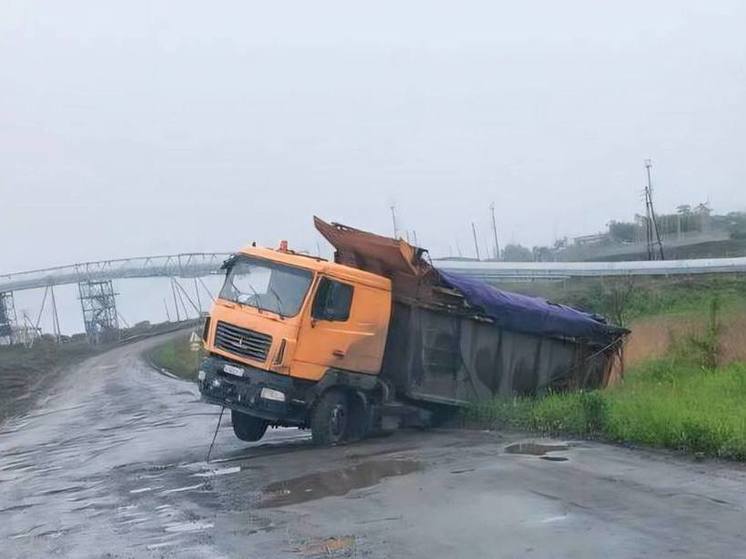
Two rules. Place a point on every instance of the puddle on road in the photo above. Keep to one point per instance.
(537, 449)
(334, 483)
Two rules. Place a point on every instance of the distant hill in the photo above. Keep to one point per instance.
(689, 233)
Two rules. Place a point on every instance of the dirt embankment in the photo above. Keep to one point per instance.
(177, 356)
(653, 337)
(27, 372)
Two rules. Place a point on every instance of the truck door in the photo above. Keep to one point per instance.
(345, 329)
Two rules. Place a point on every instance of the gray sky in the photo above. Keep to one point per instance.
(135, 127)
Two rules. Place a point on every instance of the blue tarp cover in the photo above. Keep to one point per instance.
(532, 315)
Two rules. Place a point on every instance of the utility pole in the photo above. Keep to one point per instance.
(648, 236)
(476, 244)
(393, 218)
(653, 237)
(494, 231)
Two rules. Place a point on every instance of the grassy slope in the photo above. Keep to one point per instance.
(660, 310)
(176, 357)
(663, 403)
(681, 406)
(647, 296)
(671, 396)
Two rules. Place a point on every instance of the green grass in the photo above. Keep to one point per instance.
(635, 297)
(682, 407)
(683, 400)
(176, 356)
(666, 403)
(666, 296)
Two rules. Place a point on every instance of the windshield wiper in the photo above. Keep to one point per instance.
(279, 301)
(256, 295)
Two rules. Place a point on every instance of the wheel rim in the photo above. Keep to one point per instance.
(338, 422)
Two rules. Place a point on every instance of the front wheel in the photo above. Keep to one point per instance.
(330, 419)
(247, 427)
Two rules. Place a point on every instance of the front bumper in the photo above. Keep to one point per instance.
(243, 393)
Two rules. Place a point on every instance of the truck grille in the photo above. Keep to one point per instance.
(242, 341)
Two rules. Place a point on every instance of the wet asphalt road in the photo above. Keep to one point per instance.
(112, 464)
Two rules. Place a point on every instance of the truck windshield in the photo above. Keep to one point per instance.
(266, 285)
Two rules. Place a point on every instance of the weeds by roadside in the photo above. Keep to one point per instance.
(684, 401)
(175, 356)
(703, 348)
(682, 406)
(663, 403)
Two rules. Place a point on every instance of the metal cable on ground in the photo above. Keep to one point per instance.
(215, 435)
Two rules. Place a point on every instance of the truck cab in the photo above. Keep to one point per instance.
(295, 341)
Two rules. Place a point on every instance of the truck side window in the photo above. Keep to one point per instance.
(333, 301)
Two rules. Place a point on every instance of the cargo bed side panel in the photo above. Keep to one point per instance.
(434, 356)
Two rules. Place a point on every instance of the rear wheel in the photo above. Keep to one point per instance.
(247, 427)
(330, 419)
(360, 418)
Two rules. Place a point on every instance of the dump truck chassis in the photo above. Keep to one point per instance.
(370, 406)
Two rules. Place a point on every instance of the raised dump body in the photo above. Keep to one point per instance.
(342, 346)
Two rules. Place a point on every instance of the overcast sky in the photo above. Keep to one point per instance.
(136, 128)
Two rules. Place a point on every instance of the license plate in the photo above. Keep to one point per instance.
(231, 370)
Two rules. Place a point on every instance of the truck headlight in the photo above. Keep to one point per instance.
(271, 394)
(201, 375)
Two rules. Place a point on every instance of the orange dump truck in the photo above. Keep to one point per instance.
(380, 338)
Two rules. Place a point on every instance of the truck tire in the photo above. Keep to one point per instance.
(360, 418)
(330, 419)
(247, 427)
